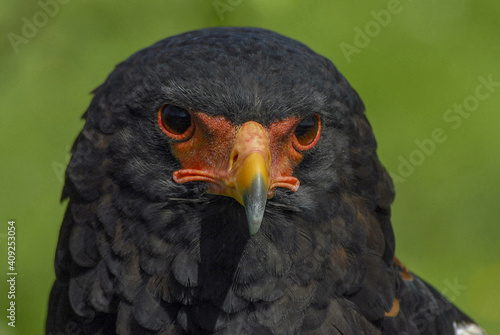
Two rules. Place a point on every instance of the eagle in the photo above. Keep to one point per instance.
(226, 181)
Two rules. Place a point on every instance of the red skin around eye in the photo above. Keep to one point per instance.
(206, 155)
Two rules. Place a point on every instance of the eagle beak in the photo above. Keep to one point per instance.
(248, 176)
(243, 172)
(251, 188)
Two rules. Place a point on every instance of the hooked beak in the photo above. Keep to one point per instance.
(248, 175)
(251, 186)
(244, 170)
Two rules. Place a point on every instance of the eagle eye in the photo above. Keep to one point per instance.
(176, 122)
(307, 132)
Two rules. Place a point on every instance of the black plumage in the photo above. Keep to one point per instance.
(139, 253)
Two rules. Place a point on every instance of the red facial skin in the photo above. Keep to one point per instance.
(210, 150)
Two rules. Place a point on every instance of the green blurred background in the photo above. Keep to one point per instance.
(410, 67)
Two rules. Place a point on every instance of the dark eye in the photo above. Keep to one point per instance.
(175, 122)
(307, 132)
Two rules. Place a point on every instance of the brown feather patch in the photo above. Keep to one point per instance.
(403, 270)
(394, 310)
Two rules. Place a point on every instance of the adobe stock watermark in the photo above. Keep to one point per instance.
(372, 29)
(223, 6)
(453, 118)
(32, 25)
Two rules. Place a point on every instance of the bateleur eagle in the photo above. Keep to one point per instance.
(226, 181)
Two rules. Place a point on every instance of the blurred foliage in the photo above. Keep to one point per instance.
(410, 68)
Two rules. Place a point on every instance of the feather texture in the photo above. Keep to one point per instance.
(141, 254)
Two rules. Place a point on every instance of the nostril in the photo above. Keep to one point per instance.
(233, 160)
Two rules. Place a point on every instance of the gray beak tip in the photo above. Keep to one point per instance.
(255, 205)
